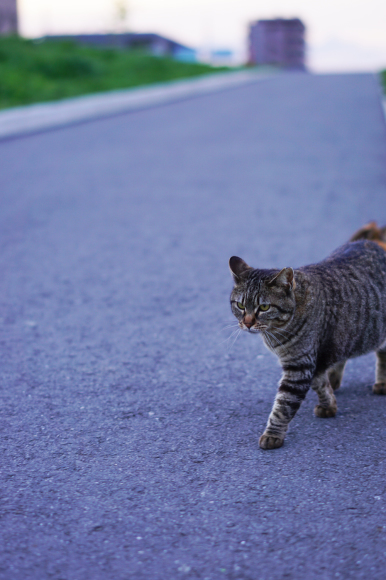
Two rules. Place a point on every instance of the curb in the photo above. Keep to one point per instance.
(43, 116)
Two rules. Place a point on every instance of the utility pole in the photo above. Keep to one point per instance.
(121, 11)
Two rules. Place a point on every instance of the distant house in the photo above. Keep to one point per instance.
(278, 42)
(152, 43)
(222, 57)
(8, 17)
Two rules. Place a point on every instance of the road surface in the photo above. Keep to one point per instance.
(129, 423)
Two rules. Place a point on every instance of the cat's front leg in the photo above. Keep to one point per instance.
(293, 388)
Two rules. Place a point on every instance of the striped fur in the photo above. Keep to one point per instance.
(314, 319)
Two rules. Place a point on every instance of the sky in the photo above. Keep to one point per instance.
(342, 35)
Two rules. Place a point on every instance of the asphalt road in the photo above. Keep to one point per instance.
(129, 428)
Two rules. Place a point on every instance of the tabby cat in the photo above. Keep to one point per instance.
(314, 319)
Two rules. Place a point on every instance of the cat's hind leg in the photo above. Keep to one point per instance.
(335, 375)
(327, 406)
(379, 388)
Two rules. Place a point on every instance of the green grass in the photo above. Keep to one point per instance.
(36, 71)
(383, 80)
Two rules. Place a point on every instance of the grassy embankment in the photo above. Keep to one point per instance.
(35, 71)
(383, 80)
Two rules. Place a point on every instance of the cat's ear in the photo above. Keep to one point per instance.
(238, 267)
(283, 278)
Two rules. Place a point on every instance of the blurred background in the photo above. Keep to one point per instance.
(341, 35)
(197, 35)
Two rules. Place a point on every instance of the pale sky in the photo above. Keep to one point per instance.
(341, 34)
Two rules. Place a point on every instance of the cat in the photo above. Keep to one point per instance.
(315, 318)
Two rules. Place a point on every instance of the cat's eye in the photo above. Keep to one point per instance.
(264, 307)
(240, 305)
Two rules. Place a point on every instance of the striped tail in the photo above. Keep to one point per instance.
(372, 232)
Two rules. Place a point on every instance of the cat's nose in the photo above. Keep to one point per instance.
(249, 320)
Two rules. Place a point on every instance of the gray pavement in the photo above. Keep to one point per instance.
(129, 428)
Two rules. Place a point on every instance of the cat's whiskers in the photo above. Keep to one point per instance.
(284, 330)
(271, 336)
(230, 336)
(234, 324)
(236, 337)
(287, 338)
(275, 337)
(268, 340)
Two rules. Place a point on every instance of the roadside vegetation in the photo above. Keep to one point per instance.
(34, 71)
(383, 80)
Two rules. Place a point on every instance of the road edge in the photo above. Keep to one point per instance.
(19, 121)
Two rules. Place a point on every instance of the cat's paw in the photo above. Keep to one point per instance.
(270, 441)
(379, 388)
(325, 412)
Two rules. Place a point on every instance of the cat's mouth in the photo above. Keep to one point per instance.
(255, 328)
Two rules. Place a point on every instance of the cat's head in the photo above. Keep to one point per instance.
(261, 299)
